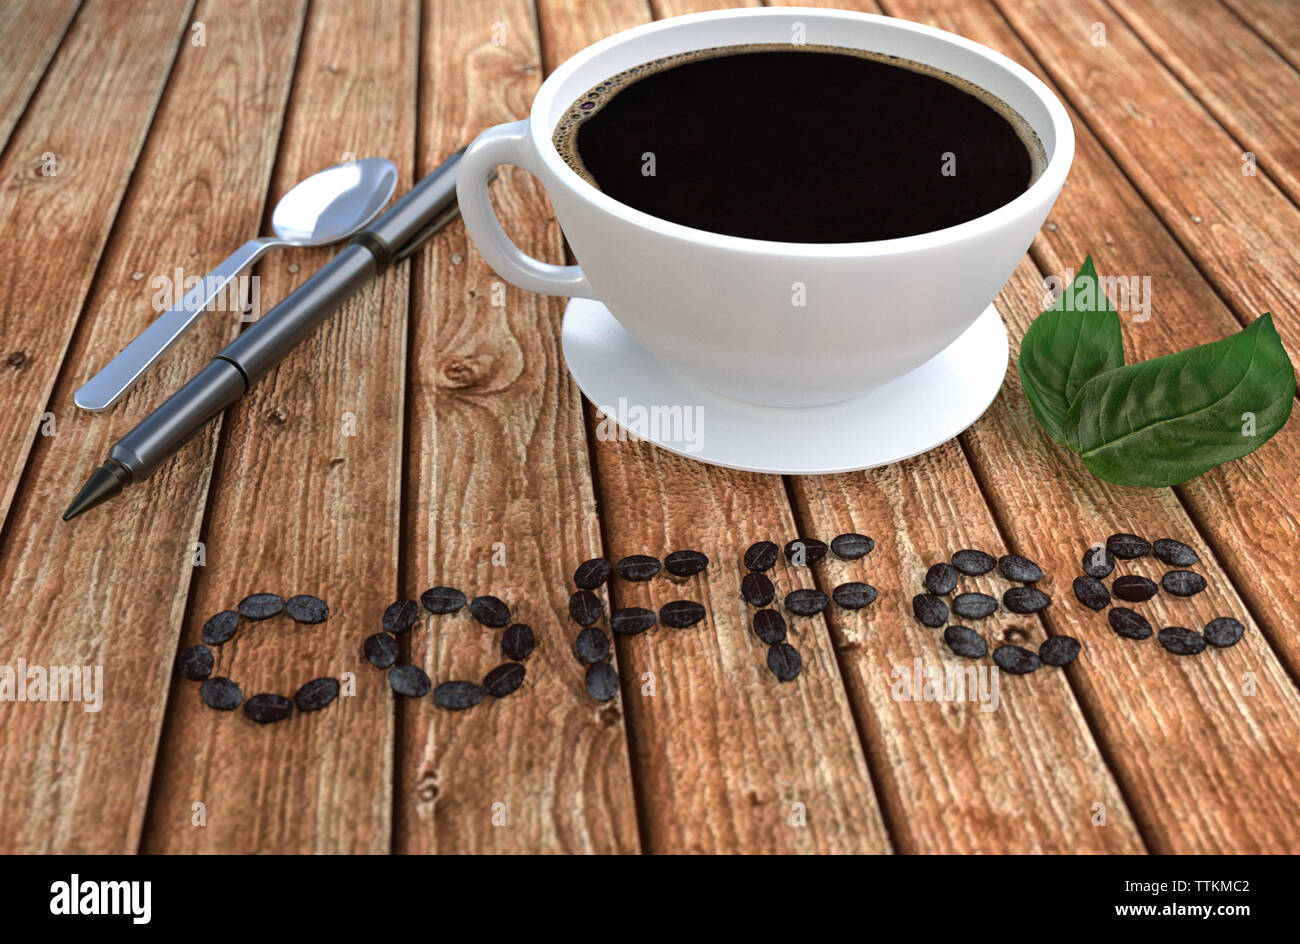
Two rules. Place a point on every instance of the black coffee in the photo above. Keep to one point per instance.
(812, 144)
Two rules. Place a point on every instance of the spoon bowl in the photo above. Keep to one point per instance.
(334, 203)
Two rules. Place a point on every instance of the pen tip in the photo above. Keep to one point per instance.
(104, 483)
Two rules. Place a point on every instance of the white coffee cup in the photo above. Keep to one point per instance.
(720, 310)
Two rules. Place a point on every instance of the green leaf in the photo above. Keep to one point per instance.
(1166, 420)
(1066, 346)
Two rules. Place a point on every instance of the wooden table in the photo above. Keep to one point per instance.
(427, 435)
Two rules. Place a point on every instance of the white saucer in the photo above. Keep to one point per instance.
(904, 418)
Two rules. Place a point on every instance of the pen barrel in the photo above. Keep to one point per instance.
(179, 418)
(417, 208)
(277, 332)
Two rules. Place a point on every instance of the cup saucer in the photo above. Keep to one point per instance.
(903, 418)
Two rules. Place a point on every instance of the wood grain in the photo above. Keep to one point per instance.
(1275, 21)
(1099, 212)
(306, 498)
(500, 500)
(62, 219)
(725, 757)
(41, 24)
(78, 782)
(1239, 230)
(1235, 74)
(1023, 777)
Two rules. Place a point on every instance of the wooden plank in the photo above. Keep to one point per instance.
(1185, 736)
(1240, 230)
(1020, 772)
(498, 460)
(125, 47)
(78, 782)
(1250, 504)
(953, 777)
(1275, 21)
(1249, 89)
(1143, 703)
(307, 499)
(724, 756)
(30, 31)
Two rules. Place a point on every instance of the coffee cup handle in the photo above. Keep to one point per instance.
(508, 144)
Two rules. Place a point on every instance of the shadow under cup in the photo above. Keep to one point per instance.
(774, 323)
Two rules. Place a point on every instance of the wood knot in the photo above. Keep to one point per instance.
(460, 373)
(17, 359)
(277, 416)
(427, 789)
(1014, 634)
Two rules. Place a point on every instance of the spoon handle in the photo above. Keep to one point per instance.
(121, 373)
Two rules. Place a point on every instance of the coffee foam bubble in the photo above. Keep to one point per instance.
(565, 136)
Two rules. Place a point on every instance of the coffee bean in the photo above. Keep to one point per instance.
(504, 679)
(1181, 641)
(601, 681)
(316, 694)
(929, 609)
(457, 696)
(1133, 588)
(761, 556)
(409, 680)
(585, 607)
(266, 708)
(442, 600)
(638, 567)
(221, 694)
(1174, 553)
(220, 628)
(195, 663)
(400, 616)
(1025, 600)
(1129, 623)
(941, 579)
(592, 573)
(757, 589)
(784, 661)
(1091, 592)
(380, 650)
(490, 611)
(1016, 659)
(1098, 562)
(975, 605)
(308, 609)
(806, 602)
(1128, 546)
(852, 546)
(1059, 650)
(769, 626)
(631, 620)
(973, 563)
(854, 595)
(680, 614)
(260, 606)
(804, 552)
(965, 642)
(1020, 569)
(685, 563)
(591, 646)
(1224, 631)
(1183, 583)
(517, 642)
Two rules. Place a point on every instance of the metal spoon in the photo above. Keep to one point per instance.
(326, 207)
